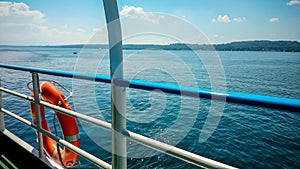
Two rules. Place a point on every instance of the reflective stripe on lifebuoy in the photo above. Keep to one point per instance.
(50, 93)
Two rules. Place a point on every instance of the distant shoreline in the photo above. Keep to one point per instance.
(258, 45)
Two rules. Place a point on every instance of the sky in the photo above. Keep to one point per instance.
(58, 22)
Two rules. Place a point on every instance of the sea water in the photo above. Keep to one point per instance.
(238, 135)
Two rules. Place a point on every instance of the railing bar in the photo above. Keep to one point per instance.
(92, 120)
(59, 140)
(27, 122)
(82, 76)
(176, 152)
(2, 122)
(225, 96)
(17, 94)
(85, 154)
(233, 97)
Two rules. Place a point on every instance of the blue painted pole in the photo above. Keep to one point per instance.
(288, 104)
(232, 97)
(118, 93)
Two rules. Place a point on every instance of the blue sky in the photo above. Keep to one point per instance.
(31, 22)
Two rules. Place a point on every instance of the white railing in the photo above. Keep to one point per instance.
(154, 144)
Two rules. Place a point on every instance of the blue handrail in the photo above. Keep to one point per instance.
(233, 97)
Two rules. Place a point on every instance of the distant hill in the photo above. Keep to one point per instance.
(279, 46)
(258, 45)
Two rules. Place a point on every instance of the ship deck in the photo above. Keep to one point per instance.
(15, 153)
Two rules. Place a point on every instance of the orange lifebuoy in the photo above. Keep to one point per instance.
(50, 93)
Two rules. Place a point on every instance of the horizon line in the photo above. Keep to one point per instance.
(73, 44)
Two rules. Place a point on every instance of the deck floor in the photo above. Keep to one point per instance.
(12, 155)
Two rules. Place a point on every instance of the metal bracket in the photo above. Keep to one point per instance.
(70, 94)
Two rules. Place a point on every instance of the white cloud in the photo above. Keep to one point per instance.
(239, 19)
(131, 10)
(19, 13)
(293, 2)
(21, 25)
(138, 13)
(273, 19)
(226, 19)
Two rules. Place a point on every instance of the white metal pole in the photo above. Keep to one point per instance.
(36, 92)
(2, 123)
(118, 93)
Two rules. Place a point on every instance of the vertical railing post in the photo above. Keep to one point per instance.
(36, 92)
(118, 93)
(2, 123)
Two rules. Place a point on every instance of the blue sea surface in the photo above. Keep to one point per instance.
(238, 135)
